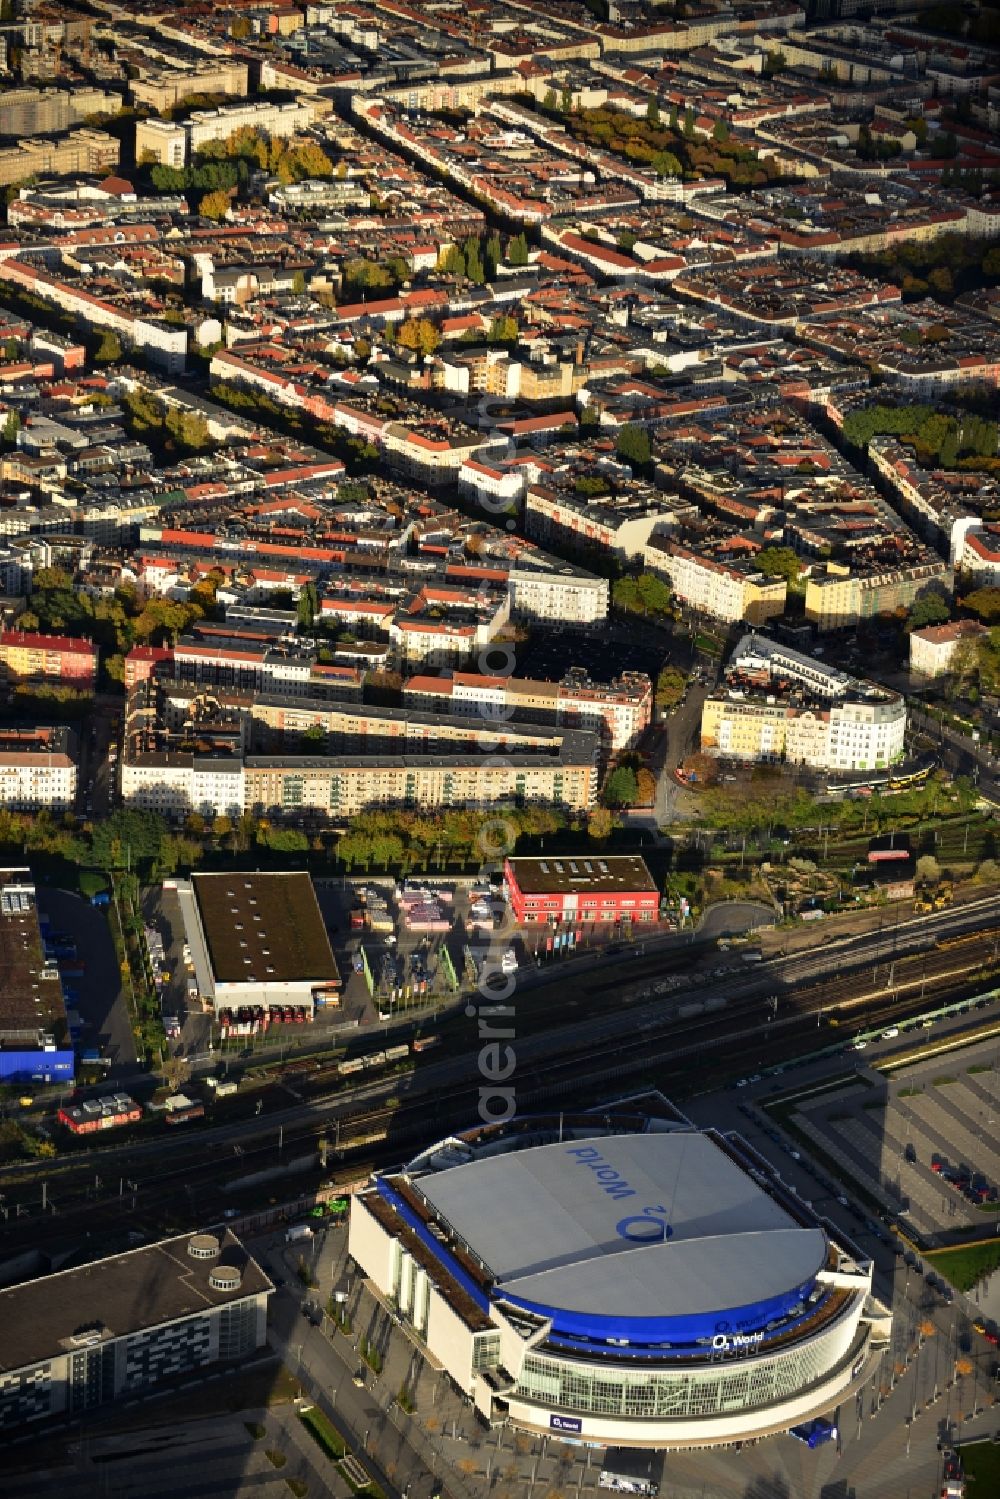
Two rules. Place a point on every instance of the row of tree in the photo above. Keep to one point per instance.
(769, 805)
(670, 149)
(359, 455)
(937, 439)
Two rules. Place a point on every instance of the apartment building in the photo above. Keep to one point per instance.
(37, 769)
(219, 752)
(82, 152)
(976, 547)
(47, 111)
(620, 526)
(173, 143)
(838, 595)
(177, 783)
(777, 706)
(841, 737)
(164, 89)
(340, 787)
(329, 788)
(432, 625)
(933, 651)
(723, 590)
(29, 657)
(617, 711)
(565, 594)
(244, 664)
(165, 343)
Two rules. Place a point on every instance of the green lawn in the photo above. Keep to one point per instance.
(982, 1464)
(324, 1432)
(965, 1267)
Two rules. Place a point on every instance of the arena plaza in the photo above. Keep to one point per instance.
(620, 1279)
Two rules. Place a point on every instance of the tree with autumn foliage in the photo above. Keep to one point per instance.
(214, 205)
(418, 334)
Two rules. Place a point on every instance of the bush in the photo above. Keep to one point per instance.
(275, 1457)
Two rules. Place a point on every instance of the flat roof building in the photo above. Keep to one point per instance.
(581, 888)
(258, 940)
(34, 1032)
(112, 1329)
(629, 1281)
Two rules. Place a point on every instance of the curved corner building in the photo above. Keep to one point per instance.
(621, 1280)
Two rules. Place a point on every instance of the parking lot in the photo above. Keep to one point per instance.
(161, 910)
(400, 958)
(922, 1141)
(96, 992)
(935, 1383)
(548, 657)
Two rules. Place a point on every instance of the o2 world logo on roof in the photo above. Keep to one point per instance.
(648, 1227)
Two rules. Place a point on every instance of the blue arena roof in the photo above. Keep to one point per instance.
(656, 1237)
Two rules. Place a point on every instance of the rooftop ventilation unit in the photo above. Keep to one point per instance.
(203, 1247)
(225, 1278)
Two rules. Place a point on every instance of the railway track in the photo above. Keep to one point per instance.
(661, 1046)
(380, 1133)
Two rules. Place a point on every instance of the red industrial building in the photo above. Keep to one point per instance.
(581, 888)
(103, 1113)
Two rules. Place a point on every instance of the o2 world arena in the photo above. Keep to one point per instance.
(620, 1280)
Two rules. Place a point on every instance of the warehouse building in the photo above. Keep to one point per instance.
(258, 941)
(34, 1033)
(111, 1330)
